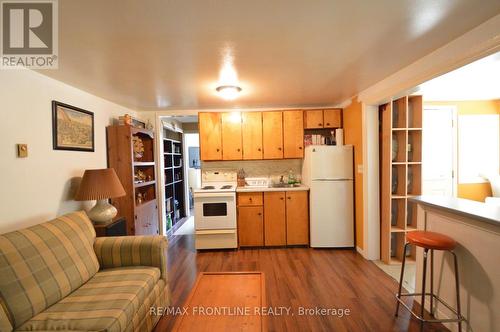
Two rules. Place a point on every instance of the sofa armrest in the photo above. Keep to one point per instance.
(5, 321)
(121, 251)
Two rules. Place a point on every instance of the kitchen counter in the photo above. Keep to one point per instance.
(249, 189)
(475, 227)
(463, 207)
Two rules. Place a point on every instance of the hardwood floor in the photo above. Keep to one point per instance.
(299, 277)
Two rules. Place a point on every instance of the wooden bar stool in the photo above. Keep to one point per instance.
(430, 241)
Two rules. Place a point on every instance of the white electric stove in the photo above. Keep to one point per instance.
(215, 210)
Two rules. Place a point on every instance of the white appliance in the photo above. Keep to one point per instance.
(215, 210)
(328, 171)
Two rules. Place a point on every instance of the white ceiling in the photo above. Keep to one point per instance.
(159, 54)
(479, 80)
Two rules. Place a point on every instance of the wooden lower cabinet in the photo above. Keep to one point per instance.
(250, 226)
(146, 219)
(274, 219)
(297, 218)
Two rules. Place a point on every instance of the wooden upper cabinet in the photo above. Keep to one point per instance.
(293, 134)
(297, 218)
(210, 136)
(272, 134)
(274, 218)
(231, 136)
(313, 119)
(252, 135)
(332, 118)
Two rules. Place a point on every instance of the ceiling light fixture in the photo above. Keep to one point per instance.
(228, 92)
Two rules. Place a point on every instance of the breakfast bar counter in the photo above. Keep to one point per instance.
(476, 228)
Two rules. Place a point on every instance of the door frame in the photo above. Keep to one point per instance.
(454, 116)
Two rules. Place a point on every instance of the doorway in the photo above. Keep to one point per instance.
(439, 146)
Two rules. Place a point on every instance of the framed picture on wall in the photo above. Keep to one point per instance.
(72, 128)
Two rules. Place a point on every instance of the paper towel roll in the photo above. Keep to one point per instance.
(339, 136)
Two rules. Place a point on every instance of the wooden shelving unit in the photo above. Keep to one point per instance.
(139, 206)
(174, 175)
(401, 174)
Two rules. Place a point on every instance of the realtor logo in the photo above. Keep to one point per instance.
(29, 34)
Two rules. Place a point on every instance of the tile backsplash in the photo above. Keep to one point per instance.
(258, 168)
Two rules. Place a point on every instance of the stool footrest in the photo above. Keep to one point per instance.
(422, 319)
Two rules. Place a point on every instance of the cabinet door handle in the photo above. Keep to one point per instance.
(218, 150)
(259, 149)
(281, 198)
(327, 124)
(259, 214)
(289, 197)
(300, 148)
(238, 150)
(320, 124)
(279, 149)
(250, 199)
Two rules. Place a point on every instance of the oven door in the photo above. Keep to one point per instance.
(215, 211)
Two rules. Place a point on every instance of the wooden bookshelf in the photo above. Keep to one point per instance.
(401, 174)
(139, 206)
(174, 175)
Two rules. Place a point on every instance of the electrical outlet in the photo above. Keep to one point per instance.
(22, 150)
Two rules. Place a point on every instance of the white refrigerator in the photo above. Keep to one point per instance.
(328, 171)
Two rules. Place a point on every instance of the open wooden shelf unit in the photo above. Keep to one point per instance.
(401, 174)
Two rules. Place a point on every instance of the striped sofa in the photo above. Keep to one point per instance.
(59, 276)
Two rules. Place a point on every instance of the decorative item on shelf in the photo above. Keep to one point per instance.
(394, 180)
(409, 182)
(409, 214)
(139, 176)
(395, 115)
(139, 197)
(177, 211)
(339, 136)
(149, 125)
(128, 120)
(169, 221)
(149, 178)
(308, 140)
(393, 245)
(394, 214)
(409, 150)
(100, 185)
(138, 147)
(394, 148)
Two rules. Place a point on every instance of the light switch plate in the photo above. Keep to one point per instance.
(22, 150)
(360, 168)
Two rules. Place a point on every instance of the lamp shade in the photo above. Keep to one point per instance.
(99, 184)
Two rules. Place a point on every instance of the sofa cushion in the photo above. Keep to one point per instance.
(107, 302)
(41, 265)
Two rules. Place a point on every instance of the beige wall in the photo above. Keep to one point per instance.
(353, 134)
(473, 191)
(39, 187)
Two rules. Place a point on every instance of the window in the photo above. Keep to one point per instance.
(478, 147)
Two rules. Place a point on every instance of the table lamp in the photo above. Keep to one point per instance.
(100, 185)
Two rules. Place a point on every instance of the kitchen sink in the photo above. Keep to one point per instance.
(283, 185)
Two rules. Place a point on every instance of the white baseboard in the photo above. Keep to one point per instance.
(361, 251)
